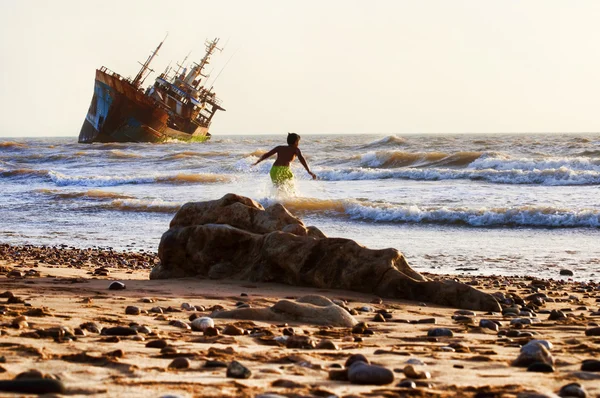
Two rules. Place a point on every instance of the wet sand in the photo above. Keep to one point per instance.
(48, 295)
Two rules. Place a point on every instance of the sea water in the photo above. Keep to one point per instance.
(521, 204)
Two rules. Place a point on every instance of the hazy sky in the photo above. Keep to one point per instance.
(325, 66)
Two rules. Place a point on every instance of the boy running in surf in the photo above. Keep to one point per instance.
(280, 172)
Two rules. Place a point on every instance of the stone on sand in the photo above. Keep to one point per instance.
(236, 238)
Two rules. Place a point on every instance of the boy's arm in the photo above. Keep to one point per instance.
(303, 161)
(267, 155)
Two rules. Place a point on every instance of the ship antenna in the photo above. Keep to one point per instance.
(139, 78)
(223, 68)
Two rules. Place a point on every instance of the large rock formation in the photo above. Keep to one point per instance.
(235, 237)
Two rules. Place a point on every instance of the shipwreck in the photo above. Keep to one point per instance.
(178, 106)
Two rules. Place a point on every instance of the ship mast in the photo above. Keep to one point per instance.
(139, 78)
(211, 46)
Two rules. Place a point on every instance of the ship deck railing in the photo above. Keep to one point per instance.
(104, 69)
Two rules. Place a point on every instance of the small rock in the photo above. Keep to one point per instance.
(355, 358)
(487, 324)
(533, 352)
(464, 312)
(556, 315)
(327, 345)
(573, 390)
(304, 342)
(180, 363)
(132, 310)
(116, 286)
(37, 386)
(440, 332)
(590, 365)
(412, 373)
(379, 318)
(211, 332)
(215, 364)
(566, 272)
(407, 383)
(119, 331)
(202, 323)
(338, 374)
(160, 343)
(179, 324)
(593, 332)
(238, 371)
(363, 373)
(232, 330)
(540, 367)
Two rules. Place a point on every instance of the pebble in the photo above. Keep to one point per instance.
(533, 352)
(90, 327)
(355, 358)
(238, 371)
(593, 332)
(464, 312)
(566, 272)
(522, 321)
(119, 331)
(415, 361)
(573, 390)
(132, 310)
(179, 324)
(327, 345)
(556, 315)
(412, 373)
(36, 386)
(180, 363)
(407, 383)
(590, 365)
(379, 318)
(215, 364)
(363, 373)
(188, 307)
(304, 342)
(116, 286)
(440, 332)
(232, 330)
(487, 324)
(160, 343)
(540, 367)
(202, 323)
(211, 332)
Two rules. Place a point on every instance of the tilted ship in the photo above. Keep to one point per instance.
(175, 107)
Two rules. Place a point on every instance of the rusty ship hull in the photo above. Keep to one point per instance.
(120, 112)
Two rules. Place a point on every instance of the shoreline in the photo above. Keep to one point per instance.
(66, 287)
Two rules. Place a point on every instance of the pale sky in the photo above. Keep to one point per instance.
(317, 66)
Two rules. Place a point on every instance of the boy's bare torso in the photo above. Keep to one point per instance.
(285, 155)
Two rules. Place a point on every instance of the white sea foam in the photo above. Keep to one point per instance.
(550, 177)
(533, 216)
(108, 181)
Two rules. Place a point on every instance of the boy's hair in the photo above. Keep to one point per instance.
(292, 138)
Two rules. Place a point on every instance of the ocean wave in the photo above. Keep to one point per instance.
(92, 193)
(193, 154)
(497, 162)
(107, 181)
(119, 154)
(22, 173)
(390, 140)
(141, 205)
(362, 210)
(12, 145)
(398, 159)
(534, 216)
(550, 177)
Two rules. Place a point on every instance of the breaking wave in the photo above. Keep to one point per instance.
(23, 173)
(117, 153)
(107, 181)
(92, 193)
(526, 216)
(533, 216)
(550, 177)
(397, 159)
(390, 140)
(141, 205)
(12, 144)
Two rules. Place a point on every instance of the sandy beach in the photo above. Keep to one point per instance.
(56, 301)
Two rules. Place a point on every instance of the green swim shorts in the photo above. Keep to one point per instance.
(281, 174)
